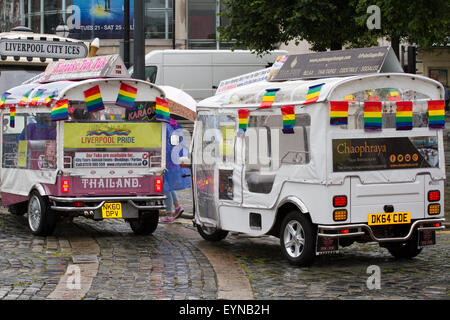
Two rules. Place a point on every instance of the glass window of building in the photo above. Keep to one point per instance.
(203, 21)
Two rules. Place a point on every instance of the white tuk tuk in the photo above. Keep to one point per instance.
(83, 141)
(323, 163)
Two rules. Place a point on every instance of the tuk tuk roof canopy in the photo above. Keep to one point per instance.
(297, 91)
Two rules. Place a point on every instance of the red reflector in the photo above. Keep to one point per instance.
(437, 224)
(434, 195)
(345, 231)
(158, 185)
(78, 204)
(65, 185)
(340, 201)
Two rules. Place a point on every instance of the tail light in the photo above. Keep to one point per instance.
(434, 195)
(434, 208)
(340, 215)
(65, 186)
(339, 201)
(158, 185)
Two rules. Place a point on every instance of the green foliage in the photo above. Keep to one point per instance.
(261, 25)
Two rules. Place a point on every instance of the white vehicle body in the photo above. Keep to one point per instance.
(302, 176)
(199, 72)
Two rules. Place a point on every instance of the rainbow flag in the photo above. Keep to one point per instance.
(93, 99)
(23, 101)
(436, 114)
(60, 111)
(403, 117)
(243, 121)
(372, 115)
(288, 113)
(313, 93)
(38, 94)
(3, 99)
(268, 98)
(126, 96)
(162, 110)
(338, 112)
(12, 117)
(50, 98)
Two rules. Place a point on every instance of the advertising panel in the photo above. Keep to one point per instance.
(112, 135)
(385, 153)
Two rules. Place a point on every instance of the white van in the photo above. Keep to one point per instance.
(199, 72)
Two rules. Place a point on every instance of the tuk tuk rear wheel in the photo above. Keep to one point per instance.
(41, 220)
(404, 250)
(211, 233)
(297, 239)
(146, 223)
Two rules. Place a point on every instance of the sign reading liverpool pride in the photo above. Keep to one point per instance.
(112, 135)
(78, 69)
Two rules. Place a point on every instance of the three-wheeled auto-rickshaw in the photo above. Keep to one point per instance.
(322, 162)
(83, 141)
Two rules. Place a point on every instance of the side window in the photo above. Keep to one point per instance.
(31, 144)
(150, 73)
(267, 148)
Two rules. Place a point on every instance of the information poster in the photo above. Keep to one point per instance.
(385, 153)
(111, 159)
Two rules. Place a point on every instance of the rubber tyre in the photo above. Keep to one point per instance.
(18, 209)
(41, 219)
(146, 223)
(405, 250)
(212, 234)
(298, 239)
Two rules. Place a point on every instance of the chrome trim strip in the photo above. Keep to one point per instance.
(97, 199)
(370, 233)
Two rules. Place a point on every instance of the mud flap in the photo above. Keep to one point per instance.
(426, 238)
(327, 245)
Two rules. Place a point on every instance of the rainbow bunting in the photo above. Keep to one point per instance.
(436, 114)
(288, 113)
(93, 99)
(338, 112)
(3, 99)
(313, 93)
(403, 117)
(12, 117)
(50, 98)
(126, 96)
(37, 95)
(23, 101)
(162, 110)
(268, 98)
(372, 115)
(60, 111)
(243, 121)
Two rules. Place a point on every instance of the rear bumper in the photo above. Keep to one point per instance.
(152, 202)
(358, 230)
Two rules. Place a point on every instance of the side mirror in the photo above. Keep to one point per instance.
(185, 162)
(174, 140)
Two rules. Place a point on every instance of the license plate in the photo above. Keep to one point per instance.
(112, 210)
(376, 219)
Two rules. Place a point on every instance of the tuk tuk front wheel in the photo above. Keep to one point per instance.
(146, 223)
(297, 239)
(41, 220)
(211, 233)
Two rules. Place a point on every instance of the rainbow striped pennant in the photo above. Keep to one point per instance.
(60, 111)
(372, 115)
(268, 98)
(288, 113)
(404, 115)
(243, 121)
(93, 99)
(162, 110)
(3, 99)
(436, 114)
(338, 113)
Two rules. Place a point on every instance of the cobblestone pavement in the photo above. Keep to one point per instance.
(174, 263)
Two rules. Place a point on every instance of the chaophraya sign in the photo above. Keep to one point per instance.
(385, 153)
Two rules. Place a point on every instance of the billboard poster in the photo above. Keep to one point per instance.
(385, 153)
(101, 18)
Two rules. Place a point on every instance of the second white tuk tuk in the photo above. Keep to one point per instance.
(83, 141)
(323, 163)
